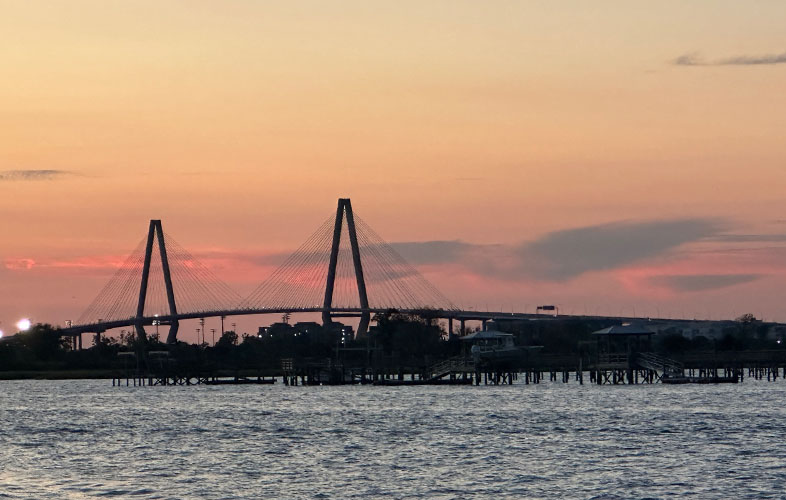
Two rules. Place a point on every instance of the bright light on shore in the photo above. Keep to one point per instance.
(23, 324)
(1, 334)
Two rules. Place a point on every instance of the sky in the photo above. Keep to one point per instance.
(615, 157)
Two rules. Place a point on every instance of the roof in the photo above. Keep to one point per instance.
(486, 335)
(625, 329)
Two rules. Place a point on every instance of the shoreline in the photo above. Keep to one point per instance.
(57, 374)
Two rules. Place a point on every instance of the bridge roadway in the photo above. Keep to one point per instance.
(457, 315)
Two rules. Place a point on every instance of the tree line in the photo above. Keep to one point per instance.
(408, 339)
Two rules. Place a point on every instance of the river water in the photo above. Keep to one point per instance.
(87, 439)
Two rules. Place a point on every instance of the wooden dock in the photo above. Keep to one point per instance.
(532, 368)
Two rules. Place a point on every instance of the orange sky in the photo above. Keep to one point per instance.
(239, 124)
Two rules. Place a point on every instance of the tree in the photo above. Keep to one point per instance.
(408, 335)
(228, 340)
(675, 343)
(746, 318)
(43, 340)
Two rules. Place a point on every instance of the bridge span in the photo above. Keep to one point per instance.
(449, 315)
(344, 269)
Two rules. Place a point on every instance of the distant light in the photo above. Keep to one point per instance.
(23, 324)
(1, 334)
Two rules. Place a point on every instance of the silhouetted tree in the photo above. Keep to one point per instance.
(407, 335)
(44, 342)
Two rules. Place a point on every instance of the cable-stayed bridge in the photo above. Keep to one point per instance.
(344, 269)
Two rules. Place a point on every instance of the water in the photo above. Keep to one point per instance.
(86, 439)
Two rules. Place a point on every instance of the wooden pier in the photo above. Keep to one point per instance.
(158, 369)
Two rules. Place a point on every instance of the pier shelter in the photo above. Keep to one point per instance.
(617, 350)
(625, 338)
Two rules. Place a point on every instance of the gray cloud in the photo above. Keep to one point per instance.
(31, 175)
(567, 254)
(563, 255)
(431, 252)
(695, 59)
(702, 282)
(754, 60)
(749, 238)
(557, 256)
(690, 59)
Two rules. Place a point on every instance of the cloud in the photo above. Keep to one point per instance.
(227, 257)
(564, 255)
(754, 60)
(431, 252)
(695, 59)
(414, 252)
(557, 256)
(32, 175)
(702, 282)
(749, 238)
(99, 264)
(690, 59)
(17, 264)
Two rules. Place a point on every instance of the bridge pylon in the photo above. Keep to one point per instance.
(345, 208)
(155, 231)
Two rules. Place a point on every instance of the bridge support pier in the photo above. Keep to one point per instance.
(365, 319)
(155, 231)
(174, 326)
(140, 332)
(345, 207)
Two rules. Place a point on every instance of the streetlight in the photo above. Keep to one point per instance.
(197, 335)
(23, 324)
(202, 324)
(213, 331)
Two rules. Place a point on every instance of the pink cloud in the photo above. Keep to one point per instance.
(19, 264)
(702, 270)
(92, 263)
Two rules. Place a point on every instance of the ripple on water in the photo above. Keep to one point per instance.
(86, 439)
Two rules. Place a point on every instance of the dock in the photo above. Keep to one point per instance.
(532, 367)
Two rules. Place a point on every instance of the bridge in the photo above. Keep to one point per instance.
(344, 269)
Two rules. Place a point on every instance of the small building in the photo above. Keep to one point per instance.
(308, 327)
(622, 340)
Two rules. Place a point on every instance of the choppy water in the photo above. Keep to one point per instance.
(86, 439)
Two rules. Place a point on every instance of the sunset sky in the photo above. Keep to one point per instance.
(611, 157)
